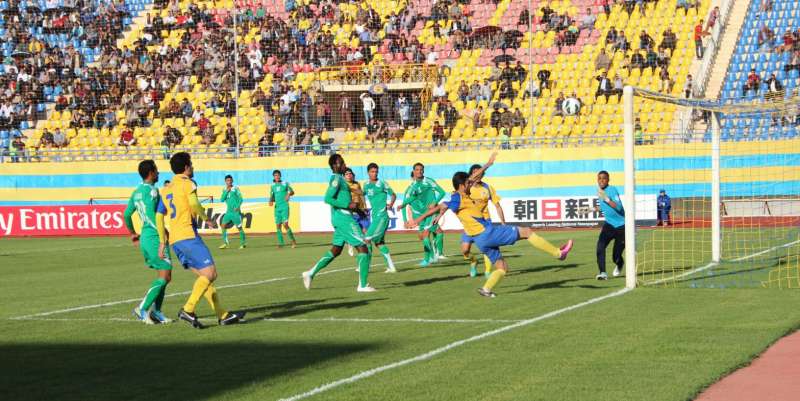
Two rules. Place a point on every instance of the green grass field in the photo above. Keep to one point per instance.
(647, 344)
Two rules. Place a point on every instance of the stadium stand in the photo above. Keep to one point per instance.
(765, 67)
(457, 72)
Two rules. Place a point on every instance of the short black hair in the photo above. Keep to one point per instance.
(474, 167)
(604, 172)
(371, 166)
(332, 159)
(418, 164)
(459, 179)
(146, 167)
(228, 176)
(349, 170)
(276, 172)
(167, 182)
(179, 162)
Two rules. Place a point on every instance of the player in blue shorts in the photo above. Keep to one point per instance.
(488, 237)
(483, 192)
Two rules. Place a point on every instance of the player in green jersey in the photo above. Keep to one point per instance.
(144, 201)
(232, 197)
(346, 230)
(422, 194)
(279, 194)
(377, 191)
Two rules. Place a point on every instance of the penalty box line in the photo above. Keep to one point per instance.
(428, 355)
(175, 294)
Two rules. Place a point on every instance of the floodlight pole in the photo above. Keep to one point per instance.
(530, 66)
(716, 201)
(629, 201)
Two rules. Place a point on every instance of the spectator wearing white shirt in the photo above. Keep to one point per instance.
(368, 106)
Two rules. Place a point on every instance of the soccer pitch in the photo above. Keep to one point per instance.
(553, 333)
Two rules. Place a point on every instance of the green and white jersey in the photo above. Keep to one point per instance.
(144, 201)
(233, 199)
(277, 194)
(378, 193)
(421, 194)
(338, 196)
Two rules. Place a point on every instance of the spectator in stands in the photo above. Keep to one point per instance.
(765, 6)
(126, 138)
(46, 140)
(486, 91)
(524, 19)
(621, 44)
(506, 90)
(606, 4)
(753, 83)
(172, 137)
(558, 109)
(403, 110)
(372, 131)
(186, 109)
(712, 19)
(611, 36)
(788, 42)
(544, 78)
(368, 105)
(463, 92)
(619, 84)
(605, 86)
(517, 119)
(520, 72)
(646, 41)
(666, 81)
(386, 107)
(17, 150)
(478, 118)
(688, 87)
(59, 139)
(494, 118)
(438, 134)
(603, 62)
(345, 111)
(230, 139)
(765, 36)
(506, 119)
(794, 62)
(686, 4)
(439, 92)
(265, 145)
(668, 40)
(588, 21)
(699, 33)
(775, 91)
(636, 61)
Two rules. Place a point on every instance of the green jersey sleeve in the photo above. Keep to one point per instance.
(129, 213)
(224, 196)
(437, 191)
(337, 194)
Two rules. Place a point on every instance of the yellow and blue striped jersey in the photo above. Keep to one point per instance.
(470, 212)
(175, 200)
(357, 195)
(484, 193)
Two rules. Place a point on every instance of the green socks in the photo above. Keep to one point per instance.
(426, 245)
(363, 269)
(152, 294)
(326, 260)
(438, 240)
(225, 235)
(280, 236)
(160, 299)
(385, 252)
(241, 237)
(290, 234)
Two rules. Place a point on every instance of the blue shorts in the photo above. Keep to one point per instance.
(363, 222)
(491, 239)
(193, 253)
(466, 239)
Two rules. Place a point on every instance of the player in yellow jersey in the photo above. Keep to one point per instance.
(481, 191)
(182, 209)
(489, 238)
(360, 213)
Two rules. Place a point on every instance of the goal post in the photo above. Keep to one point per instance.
(733, 184)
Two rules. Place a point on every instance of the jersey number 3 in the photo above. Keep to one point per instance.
(171, 207)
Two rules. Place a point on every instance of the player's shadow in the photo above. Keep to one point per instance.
(279, 306)
(561, 284)
(538, 269)
(433, 280)
(190, 370)
(301, 308)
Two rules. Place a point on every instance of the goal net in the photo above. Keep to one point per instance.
(727, 190)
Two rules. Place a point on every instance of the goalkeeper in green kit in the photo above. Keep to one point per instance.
(232, 197)
(144, 201)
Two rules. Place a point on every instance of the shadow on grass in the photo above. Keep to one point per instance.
(296, 308)
(537, 269)
(562, 284)
(154, 371)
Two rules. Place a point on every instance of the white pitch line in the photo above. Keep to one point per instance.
(712, 264)
(428, 355)
(390, 320)
(175, 294)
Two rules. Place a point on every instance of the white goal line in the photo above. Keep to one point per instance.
(294, 320)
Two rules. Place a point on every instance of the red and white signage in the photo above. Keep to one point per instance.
(18, 221)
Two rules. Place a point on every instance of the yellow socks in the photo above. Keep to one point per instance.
(494, 279)
(544, 245)
(487, 264)
(200, 286)
(211, 297)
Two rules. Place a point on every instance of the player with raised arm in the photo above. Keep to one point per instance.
(279, 194)
(232, 197)
(423, 194)
(482, 192)
(377, 191)
(182, 208)
(144, 201)
(346, 230)
(488, 237)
